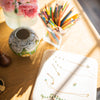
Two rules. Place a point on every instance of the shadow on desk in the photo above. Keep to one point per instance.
(20, 76)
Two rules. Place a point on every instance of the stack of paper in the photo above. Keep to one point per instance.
(66, 76)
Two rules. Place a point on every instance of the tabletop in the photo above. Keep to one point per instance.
(21, 75)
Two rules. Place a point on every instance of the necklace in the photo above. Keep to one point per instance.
(77, 94)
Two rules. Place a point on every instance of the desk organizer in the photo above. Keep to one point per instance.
(58, 18)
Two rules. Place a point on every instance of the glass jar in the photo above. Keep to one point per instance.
(14, 21)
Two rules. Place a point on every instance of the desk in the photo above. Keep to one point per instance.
(20, 76)
(2, 19)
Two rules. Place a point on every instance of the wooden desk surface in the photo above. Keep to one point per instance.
(20, 76)
(2, 19)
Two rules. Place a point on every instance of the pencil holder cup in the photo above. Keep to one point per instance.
(23, 41)
(53, 38)
(58, 18)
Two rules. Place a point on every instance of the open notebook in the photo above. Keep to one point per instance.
(66, 76)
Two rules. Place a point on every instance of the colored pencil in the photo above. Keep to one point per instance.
(59, 7)
(59, 21)
(50, 12)
(73, 17)
(56, 13)
(67, 16)
(65, 5)
(44, 13)
(70, 19)
(66, 24)
(65, 10)
(47, 10)
(53, 36)
(69, 25)
(53, 26)
(43, 20)
(53, 22)
(57, 36)
(45, 17)
(52, 16)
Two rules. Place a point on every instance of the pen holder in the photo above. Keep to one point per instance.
(53, 38)
(58, 18)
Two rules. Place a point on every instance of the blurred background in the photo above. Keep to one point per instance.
(92, 9)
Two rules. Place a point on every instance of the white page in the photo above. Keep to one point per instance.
(56, 71)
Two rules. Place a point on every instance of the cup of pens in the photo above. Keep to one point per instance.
(57, 19)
